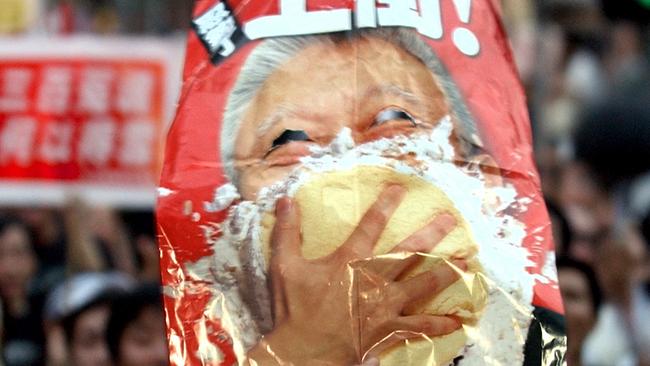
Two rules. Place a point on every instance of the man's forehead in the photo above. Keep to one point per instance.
(372, 92)
(353, 43)
(383, 90)
(355, 53)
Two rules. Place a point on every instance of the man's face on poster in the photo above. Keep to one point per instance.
(366, 84)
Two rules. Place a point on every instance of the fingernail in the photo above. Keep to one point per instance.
(394, 192)
(458, 320)
(284, 206)
(372, 362)
(447, 220)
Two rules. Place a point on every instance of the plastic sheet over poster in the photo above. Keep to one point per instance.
(351, 182)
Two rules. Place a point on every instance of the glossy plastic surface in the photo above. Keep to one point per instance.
(351, 182)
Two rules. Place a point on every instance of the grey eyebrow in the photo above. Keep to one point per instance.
(394, 90)
(283, 111)
(270, 121)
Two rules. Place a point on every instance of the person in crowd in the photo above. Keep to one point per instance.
(582, 299)
(112, 237)
(612, 340)
(136, 328)
(50, 240)
(609, 142)
(77, 313)
(588, 209)
(140, 226)
(23, 340)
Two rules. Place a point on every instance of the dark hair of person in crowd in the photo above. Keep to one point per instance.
(136, 328)
(70, 320)
(141, 226)
(23, 334)
(612, 138)
(589, 275)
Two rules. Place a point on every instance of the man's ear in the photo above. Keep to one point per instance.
(489, 168)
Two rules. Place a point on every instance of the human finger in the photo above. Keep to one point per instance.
(285, 248)
(425, 239)
(410, 327)
(278, 295)
(429, 325)
(425, 284)
(389, 267)
(285, 239)
(373, 222)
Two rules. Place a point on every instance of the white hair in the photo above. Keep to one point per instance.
(272, 53)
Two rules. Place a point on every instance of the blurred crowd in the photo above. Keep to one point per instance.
(586, 68)
(79, 285)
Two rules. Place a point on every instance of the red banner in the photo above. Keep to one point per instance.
(84, 120)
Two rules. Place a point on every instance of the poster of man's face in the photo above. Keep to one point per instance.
(326, 117)
(386, 94)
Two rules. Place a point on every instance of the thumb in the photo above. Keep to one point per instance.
(285, 240)
(285, 250)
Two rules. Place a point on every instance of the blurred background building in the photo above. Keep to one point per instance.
(78, 247)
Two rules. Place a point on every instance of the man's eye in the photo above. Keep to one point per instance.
(288, 136)
(393, 114)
